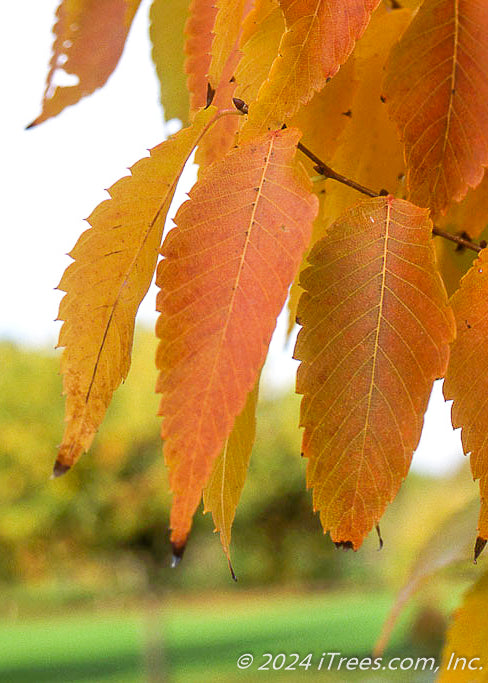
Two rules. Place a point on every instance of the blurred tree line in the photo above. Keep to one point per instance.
(105, 523)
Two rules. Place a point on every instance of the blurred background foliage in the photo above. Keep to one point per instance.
(109, 516)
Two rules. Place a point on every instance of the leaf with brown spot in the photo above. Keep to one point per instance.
(375, 334)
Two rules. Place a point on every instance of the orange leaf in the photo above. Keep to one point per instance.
(198, 43)
(320, 36)
(465, 654)
(224, 488)
(375, 335)
(114, 264)
(471, 215)
(438, 95)
(466, 380)
(224, 279)
(89, 38)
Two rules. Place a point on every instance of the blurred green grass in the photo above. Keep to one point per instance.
(198, 638)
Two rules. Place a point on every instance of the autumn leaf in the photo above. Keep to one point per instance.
(224, 279)
(466, 638)
(167, 37)
(467, 380)
(223, 491)
(226, 31)
(198, 46)
(437, 92)
(320, 35)
(89, 38)
(471, 215)
(375, 335)
(260, 40)
(114, 263)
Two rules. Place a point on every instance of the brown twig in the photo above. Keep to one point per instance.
(323, 169)
(329, 172)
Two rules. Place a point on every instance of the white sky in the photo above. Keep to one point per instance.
(55, 174)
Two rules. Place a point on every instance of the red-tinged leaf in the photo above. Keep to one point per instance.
(467, 378)
(198, 44)
(320, 36)
(223, 491)
(437, 89)
(224, 279)
(376, 327)
(114, 264)
(89, 38)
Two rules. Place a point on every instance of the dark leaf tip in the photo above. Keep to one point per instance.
(479, 547)
(59, 469)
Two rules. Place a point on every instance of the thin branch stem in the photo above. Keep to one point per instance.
(329, 172)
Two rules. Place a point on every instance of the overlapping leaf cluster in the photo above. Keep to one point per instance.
(392, 95)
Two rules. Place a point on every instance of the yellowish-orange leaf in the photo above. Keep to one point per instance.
(224, 488)
(467, 379)
(226, 30)
(261, 36)
(320, 35)
(465, 654)
(114, 264)
(437, 89)
(376, 328)
(89, 38)
(224, 279)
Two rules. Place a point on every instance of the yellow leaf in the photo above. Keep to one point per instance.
(261, 36)
(224, 488)
(465, 654)
(471, 215)
(167, 36)
(114, 264)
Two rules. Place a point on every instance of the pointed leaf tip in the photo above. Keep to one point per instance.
(232, 572)
(479, 546)
(59, 469)
(380, 539)
(177, 554)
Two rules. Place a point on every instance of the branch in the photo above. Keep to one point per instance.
(329, 172)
